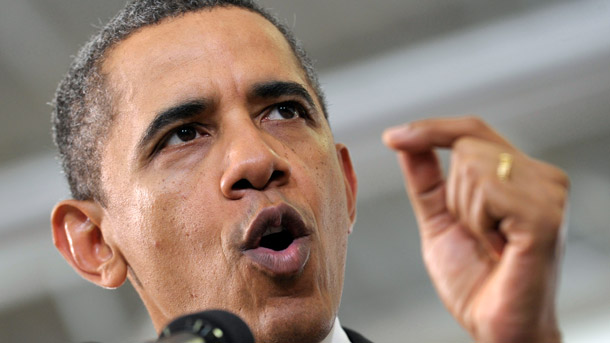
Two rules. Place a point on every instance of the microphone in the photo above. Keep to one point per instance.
(213, 326)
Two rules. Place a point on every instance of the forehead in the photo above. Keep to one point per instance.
(198, 52)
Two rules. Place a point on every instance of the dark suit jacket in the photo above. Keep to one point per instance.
(355, 337)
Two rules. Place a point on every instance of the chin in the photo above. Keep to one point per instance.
(296, 326)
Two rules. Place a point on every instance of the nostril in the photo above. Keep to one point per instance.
(276, 175)
(242, 184)
(245, 183)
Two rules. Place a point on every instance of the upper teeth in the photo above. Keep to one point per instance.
(272, 230)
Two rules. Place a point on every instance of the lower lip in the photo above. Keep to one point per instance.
(289, 261)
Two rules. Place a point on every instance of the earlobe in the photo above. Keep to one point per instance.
(350, 181)
(78, 237)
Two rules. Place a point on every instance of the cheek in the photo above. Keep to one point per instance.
(329, 204)
(168, 237)
(327, 177)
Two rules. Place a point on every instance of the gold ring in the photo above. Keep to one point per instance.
(504, 166)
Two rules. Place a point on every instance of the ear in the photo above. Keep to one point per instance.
(350, 180)
(78, 236)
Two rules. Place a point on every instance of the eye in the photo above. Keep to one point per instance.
(182, 134)
(286, 110)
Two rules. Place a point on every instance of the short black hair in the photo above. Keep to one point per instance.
(82, 107)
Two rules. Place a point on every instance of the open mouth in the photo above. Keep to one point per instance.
(275, 228)
(277, 241)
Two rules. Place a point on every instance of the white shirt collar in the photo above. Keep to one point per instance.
(336, 334)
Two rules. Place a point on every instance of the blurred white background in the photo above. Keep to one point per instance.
(539, 71)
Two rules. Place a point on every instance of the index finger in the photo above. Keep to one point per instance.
(425, 135)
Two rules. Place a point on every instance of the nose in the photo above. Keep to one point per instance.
(252, 164)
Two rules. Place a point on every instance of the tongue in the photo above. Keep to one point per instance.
(277, 241)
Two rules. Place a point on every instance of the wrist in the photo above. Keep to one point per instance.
(545, 336)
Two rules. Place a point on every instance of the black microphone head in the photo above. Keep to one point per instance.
(214, 326)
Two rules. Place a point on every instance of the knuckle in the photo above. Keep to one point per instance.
(563, 178)
(469, 170)
(551, 194)
(556, 174)
(476, 123)
(462, 144)
(562, 197)
(467, 146)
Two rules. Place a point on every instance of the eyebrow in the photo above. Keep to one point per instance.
(192, 108)
(277, 89)
(171, 115)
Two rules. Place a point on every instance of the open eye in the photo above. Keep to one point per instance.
(286, 110)
(182, 134)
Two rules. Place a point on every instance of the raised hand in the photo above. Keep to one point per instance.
(491, 238)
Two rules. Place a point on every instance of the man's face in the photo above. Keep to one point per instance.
(218, 140)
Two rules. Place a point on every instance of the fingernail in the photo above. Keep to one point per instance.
(396, 132)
